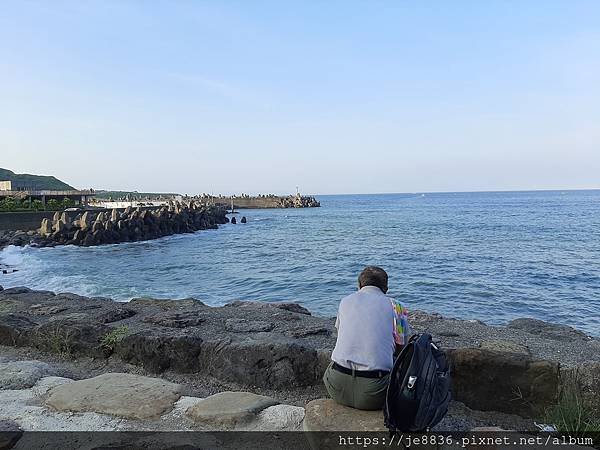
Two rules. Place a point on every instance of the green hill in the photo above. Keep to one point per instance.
(37, 182)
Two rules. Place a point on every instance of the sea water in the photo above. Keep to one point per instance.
(487, 256)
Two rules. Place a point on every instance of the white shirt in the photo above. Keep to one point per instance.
(365, 324)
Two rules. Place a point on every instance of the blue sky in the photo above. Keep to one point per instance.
(333, 97)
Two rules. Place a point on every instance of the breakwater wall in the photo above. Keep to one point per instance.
(90, 228)
(23, 220)
(519, 368)
(267, 201)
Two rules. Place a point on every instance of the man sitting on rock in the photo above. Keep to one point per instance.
(371, 327)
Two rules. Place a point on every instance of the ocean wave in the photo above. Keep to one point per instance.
(12, 256)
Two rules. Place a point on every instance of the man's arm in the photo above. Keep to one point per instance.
(337, 318)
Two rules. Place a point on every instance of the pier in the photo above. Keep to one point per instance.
(266, 201)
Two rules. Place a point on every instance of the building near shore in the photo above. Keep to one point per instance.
(13, 186)
(22, 190)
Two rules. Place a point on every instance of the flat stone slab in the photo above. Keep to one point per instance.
(119, 394)
(324, 414)
(22, 374)
(24, 407)
(226, 410)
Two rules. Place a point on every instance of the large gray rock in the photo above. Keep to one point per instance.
(15, 329)
(157, 352)
(119, 394)
(280, 418)
(115, 315)
(181, 319)
(292, 307)
(72, 334)
(22, 374)
(226, 410)
(248, 326)
(267, 361)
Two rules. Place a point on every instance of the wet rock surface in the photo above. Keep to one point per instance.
(278, 347)
(17, 238)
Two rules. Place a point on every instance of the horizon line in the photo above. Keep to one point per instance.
(362, 193)
(466, 192)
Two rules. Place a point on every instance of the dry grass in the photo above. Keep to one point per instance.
(571, 414)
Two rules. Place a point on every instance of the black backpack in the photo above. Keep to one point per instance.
(419, 391)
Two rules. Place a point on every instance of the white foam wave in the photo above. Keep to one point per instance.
(12, 256)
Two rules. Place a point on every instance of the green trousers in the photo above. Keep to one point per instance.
(356, 392)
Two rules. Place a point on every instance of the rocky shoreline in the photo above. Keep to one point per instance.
(280, 348)
(17, 238)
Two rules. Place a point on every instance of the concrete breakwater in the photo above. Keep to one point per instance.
(267, 201)
(516, 369)
(23, 220)
(90, 228)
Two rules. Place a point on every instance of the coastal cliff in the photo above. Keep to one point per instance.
(281, 346)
